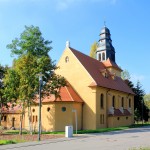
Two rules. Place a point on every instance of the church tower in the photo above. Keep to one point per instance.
(105, 52)
(105, 49)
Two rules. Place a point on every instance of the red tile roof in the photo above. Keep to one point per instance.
(117, 112)
(94, 68)
(12, 109)
(67, 94)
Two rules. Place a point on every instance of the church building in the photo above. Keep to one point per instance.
(95, 95)
(107, 100)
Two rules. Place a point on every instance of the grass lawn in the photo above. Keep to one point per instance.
(4, 142)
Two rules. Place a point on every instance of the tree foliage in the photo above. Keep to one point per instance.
(139, 104)
(140, 107)
(3, 101)
(147, 100)
(125, 75)
(21, 80)
(30, 41)
(93, 50)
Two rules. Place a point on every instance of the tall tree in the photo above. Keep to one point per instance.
(139, 104)
(32, 51)
(93, 50)
(147, 100)
(3, 101)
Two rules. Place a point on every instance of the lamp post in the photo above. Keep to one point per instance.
(76, 119)
(40, 87)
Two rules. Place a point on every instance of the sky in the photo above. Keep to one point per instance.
(80, 22)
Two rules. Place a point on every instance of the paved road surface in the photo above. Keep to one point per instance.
(118, 140)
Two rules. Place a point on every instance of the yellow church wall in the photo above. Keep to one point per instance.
(47, 117)
(103, 118)
(79, 78)
(67, 118)
(118, 121)
(12, 120)
(53, 118)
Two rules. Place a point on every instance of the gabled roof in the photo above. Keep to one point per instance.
(94, 68)
(67, 94)
(108, 63)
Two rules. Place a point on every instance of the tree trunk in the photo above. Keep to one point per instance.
(21, 119)
(1, 114)
(30, 118)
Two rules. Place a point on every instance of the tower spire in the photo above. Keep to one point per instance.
(105, 49)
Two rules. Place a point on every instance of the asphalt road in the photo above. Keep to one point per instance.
(117, 140)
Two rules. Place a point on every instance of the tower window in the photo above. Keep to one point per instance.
(103, 56)
(99, 57)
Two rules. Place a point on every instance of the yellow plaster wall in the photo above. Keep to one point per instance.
(112, 121)
(55, 119)
(119, 121)
(8, 122)
(47, 118)
(79, 78)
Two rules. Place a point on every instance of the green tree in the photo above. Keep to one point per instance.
(3, 101)
(147, 100)
(125, 75)
(93, 50)
(139, 104)
(32, 51)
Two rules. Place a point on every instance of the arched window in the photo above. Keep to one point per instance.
(103, 56)
(66, 59)
(113, 101)
(130, 103)
(122, 102)
(102, 101)
(99, 57)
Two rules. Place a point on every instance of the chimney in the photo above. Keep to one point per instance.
(67, 44)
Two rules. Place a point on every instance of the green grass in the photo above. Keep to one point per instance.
(84, 131)
(4, 142)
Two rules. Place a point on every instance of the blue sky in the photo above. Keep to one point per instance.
(80, 22)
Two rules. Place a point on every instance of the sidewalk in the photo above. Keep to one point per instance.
(123, 139)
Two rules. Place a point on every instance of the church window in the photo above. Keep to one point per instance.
(66, 59)
(33, 118)
(113, 101)
(102, 101)
(101, 118)
(48, 109)
(5, 118)
(130, 103)
(33, 110)
(103, 56)
(63, 109)
(122, 102)
(36, 118)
